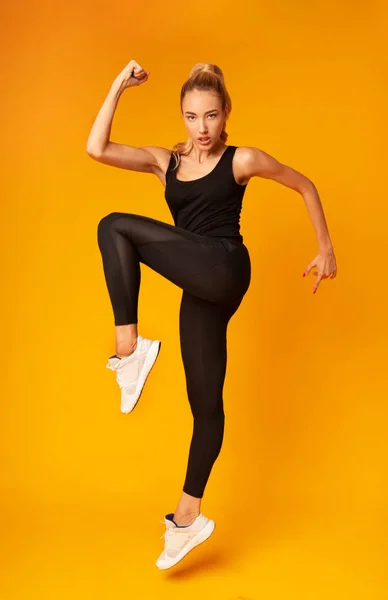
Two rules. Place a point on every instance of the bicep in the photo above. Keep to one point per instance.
(262, 164)
(129, 157)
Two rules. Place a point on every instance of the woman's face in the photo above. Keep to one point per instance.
(203, 117)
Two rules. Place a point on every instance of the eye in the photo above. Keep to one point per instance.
(192, 116)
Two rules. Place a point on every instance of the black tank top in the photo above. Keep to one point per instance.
(210, 205)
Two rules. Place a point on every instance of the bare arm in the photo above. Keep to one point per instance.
(100, 148)
(256, 162)
(99, 135)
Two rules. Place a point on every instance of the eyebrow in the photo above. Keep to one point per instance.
(188, 112)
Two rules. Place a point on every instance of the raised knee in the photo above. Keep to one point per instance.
(107, 219)
(107, 223)
(110, 219)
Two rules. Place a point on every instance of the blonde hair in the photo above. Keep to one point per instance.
(203, 77)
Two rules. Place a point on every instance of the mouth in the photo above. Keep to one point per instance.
(204, 140)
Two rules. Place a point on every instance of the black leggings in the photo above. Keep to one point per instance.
(214, 274)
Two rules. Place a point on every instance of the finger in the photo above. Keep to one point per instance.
(318, 281)
(308, 269)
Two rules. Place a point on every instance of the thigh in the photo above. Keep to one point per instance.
(187, 259)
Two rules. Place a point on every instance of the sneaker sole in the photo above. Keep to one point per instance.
(149, 362)
(202, 536)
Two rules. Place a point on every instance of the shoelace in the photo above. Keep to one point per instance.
(164, 534)
(172, 534)
(122, 373)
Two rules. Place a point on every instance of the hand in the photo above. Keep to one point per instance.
(133, 74)
(327, 267)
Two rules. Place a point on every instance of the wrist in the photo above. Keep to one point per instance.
(117, 87)
(326, 248)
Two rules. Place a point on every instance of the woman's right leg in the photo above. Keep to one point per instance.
(184, 258)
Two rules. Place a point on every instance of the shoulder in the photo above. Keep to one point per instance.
(254, 162)
(247, 154)
(243, 161)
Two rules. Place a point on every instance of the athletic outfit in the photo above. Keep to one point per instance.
(204, 255)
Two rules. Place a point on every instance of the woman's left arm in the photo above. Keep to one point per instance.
(257, 163)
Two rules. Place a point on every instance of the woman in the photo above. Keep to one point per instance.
(203, 254)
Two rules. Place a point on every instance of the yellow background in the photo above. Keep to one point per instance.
(299, 491)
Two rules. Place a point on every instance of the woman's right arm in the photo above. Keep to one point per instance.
(100, 148)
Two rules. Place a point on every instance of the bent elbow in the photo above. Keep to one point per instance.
(93, 153)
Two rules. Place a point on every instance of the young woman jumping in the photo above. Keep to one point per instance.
(203, 254)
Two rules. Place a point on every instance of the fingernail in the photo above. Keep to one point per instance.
(303, 274)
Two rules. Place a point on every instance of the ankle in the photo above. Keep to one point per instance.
(185, 518)
(126, 349)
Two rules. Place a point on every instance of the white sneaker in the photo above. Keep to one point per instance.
(132, 371)
(180, 540)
